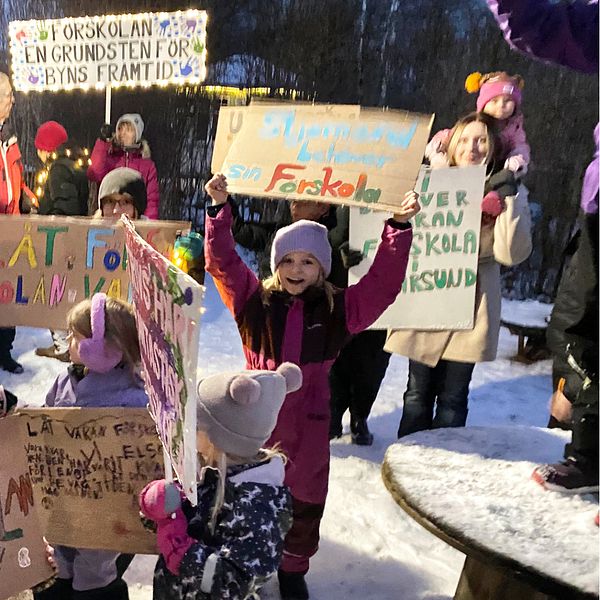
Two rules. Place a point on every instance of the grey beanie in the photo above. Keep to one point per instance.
(124, 181)
(136, 120)
(302, 236)
(238, 411)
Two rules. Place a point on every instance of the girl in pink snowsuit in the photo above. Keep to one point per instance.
(499, 97)
(298, 316)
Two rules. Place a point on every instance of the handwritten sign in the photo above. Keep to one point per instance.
(90, 461)
(328, 153)
(439, 289)
(168, 305)
(48, 264)
(120, 50)
(23, 562)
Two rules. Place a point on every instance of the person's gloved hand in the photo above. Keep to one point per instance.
(160, 501)
(492, 204)
(106, 132)
(350, 258)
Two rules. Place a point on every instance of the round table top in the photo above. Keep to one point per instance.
(472, 487)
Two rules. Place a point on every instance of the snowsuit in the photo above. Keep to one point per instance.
(441, 362)
(85, 573)
(246, 546)
(106, 157)
(567, 34)
(303, 330)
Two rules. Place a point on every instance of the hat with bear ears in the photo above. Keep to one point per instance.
(238, 410)
(494, 84)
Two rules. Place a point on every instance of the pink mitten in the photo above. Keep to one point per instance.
(492, 204)
(161, 501)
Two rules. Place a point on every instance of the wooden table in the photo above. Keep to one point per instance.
(471, 487)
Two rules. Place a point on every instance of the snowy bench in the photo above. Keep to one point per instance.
(527, 319)
(471, 487)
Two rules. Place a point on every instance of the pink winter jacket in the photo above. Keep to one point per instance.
(514, 142)
(306, 331)
(106, 157)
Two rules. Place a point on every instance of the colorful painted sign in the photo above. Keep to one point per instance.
(329, 153)
(90, 461)
(23, 561)
(48, 264)
(117, 50)
(168, 305)
(439, 289)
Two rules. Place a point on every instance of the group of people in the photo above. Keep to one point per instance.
(263, 434)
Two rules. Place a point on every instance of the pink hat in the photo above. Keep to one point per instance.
(302, 236)
(498, 87)
(50, 135)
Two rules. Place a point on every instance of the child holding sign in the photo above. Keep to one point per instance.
(105, 353)
(297, 316)
(231, 542)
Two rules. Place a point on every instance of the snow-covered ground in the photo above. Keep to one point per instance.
(370, 548)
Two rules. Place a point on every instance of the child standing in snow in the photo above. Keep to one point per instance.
(228, 545)
(297, 316)
(104, 349)
(125, 147)
(500, 98)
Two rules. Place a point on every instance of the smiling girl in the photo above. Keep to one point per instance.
(297, 316)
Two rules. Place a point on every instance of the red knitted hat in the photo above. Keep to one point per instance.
(50, 135)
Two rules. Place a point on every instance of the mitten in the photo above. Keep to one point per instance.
(161, 501)
(492, 204)
(350, 258)
(106, 132)
(516, 164)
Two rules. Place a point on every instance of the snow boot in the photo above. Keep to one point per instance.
(8, 363)
(568, 477)
(361, 436)
(292, 586)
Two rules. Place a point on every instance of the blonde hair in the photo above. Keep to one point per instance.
(120, 329)
(215, 459)
(273, 284)
(459, 127)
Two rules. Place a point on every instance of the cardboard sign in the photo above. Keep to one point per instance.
(48, 264)
(340, 154)
(439, 289)
(23, 561)
(87, 466)
(117, 50)
(168, 306)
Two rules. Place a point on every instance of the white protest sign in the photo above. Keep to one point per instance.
(439, 289)
(116, 50)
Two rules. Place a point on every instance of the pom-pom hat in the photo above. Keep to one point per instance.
(491, 85)
(238, 411)
(50, 135)
(302, 236)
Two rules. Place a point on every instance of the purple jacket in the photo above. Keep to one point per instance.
(119, 387)
(565, 33)
(106, 157)
(306, 331)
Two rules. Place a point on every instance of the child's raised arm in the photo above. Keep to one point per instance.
(367, 299)
(234, 280)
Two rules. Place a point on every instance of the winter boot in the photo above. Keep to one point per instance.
(361, 436)
(568, 477)
(292, 586)
(8, 363)
(335, 424)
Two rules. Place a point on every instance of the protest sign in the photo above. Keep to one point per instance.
(87, 466)
(439, 289)
(329, 153)
(48, 264)
(116, 50)
(168, 305)
(23, 561)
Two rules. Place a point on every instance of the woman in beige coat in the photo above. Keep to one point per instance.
(441, 362)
